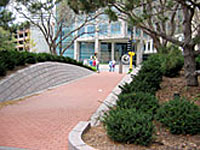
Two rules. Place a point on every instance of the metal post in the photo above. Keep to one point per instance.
(120, 67)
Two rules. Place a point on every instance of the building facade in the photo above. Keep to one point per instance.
(38, 43)
(22, 39)
(107, 39)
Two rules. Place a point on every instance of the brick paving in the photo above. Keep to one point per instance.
(42, 122)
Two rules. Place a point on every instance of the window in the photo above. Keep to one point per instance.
(105, 52)
(130, 30)
(149, 45)
(137, 32)
(91, 30)
(103, 29)
(21, 35)
(21, 49)
(81, 31)
(144, 48)
(116, 28)
(120, 49)
(70, 51)
(86, 50)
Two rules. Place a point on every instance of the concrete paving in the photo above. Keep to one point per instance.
(42, 122)
(39, 77)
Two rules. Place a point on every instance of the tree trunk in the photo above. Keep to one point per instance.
(190, 66)
(139, 56)
(157, 43)
(188, 48)
(54, 49)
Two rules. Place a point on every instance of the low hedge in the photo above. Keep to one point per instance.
(129, 126)
(144, 102)
(10, 59)
(180, 116)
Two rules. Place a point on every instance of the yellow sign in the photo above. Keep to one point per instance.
(131, 53)
(131, 59)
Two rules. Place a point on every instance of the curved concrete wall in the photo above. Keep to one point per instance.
(39, 77)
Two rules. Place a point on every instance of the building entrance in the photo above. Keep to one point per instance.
(120, 49)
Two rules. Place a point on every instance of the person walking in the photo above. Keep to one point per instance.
(113, 65)
(110, 66)
(97, 65)
(94, 63)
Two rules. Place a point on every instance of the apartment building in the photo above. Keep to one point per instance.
(22, 39)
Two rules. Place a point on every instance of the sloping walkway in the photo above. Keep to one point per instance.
(42, 122)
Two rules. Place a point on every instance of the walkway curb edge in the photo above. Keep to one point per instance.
(75, 141)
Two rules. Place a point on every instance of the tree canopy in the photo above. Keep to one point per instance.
(161, 20)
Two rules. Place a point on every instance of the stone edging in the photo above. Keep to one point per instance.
(75, 141)
(10, 148)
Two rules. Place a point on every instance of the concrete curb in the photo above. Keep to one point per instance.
(75, 141)
(10, 148)
(111, 99)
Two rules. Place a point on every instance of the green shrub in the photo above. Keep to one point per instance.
(21, 59)
(48, 57)
(172, 62)
(144, 102)
(10, 63)
(9, 59)
(128, 126)
(41, 57)
(2, 69)
(61, 59)
(180, 116)
(148, 78)
(197, 62)
(31, 58)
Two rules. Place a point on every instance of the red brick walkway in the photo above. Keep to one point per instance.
(42, 122)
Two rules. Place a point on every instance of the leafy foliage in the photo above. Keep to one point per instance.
(173, 61)
(148, 78)
(129, 126)
(5, 16)
(8, 58)
(140, 101)
(2, 69)
(180, 116)
(30, 58)
(6, 40)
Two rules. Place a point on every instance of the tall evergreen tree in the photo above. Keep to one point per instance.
(5, 15)
(6, 39)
